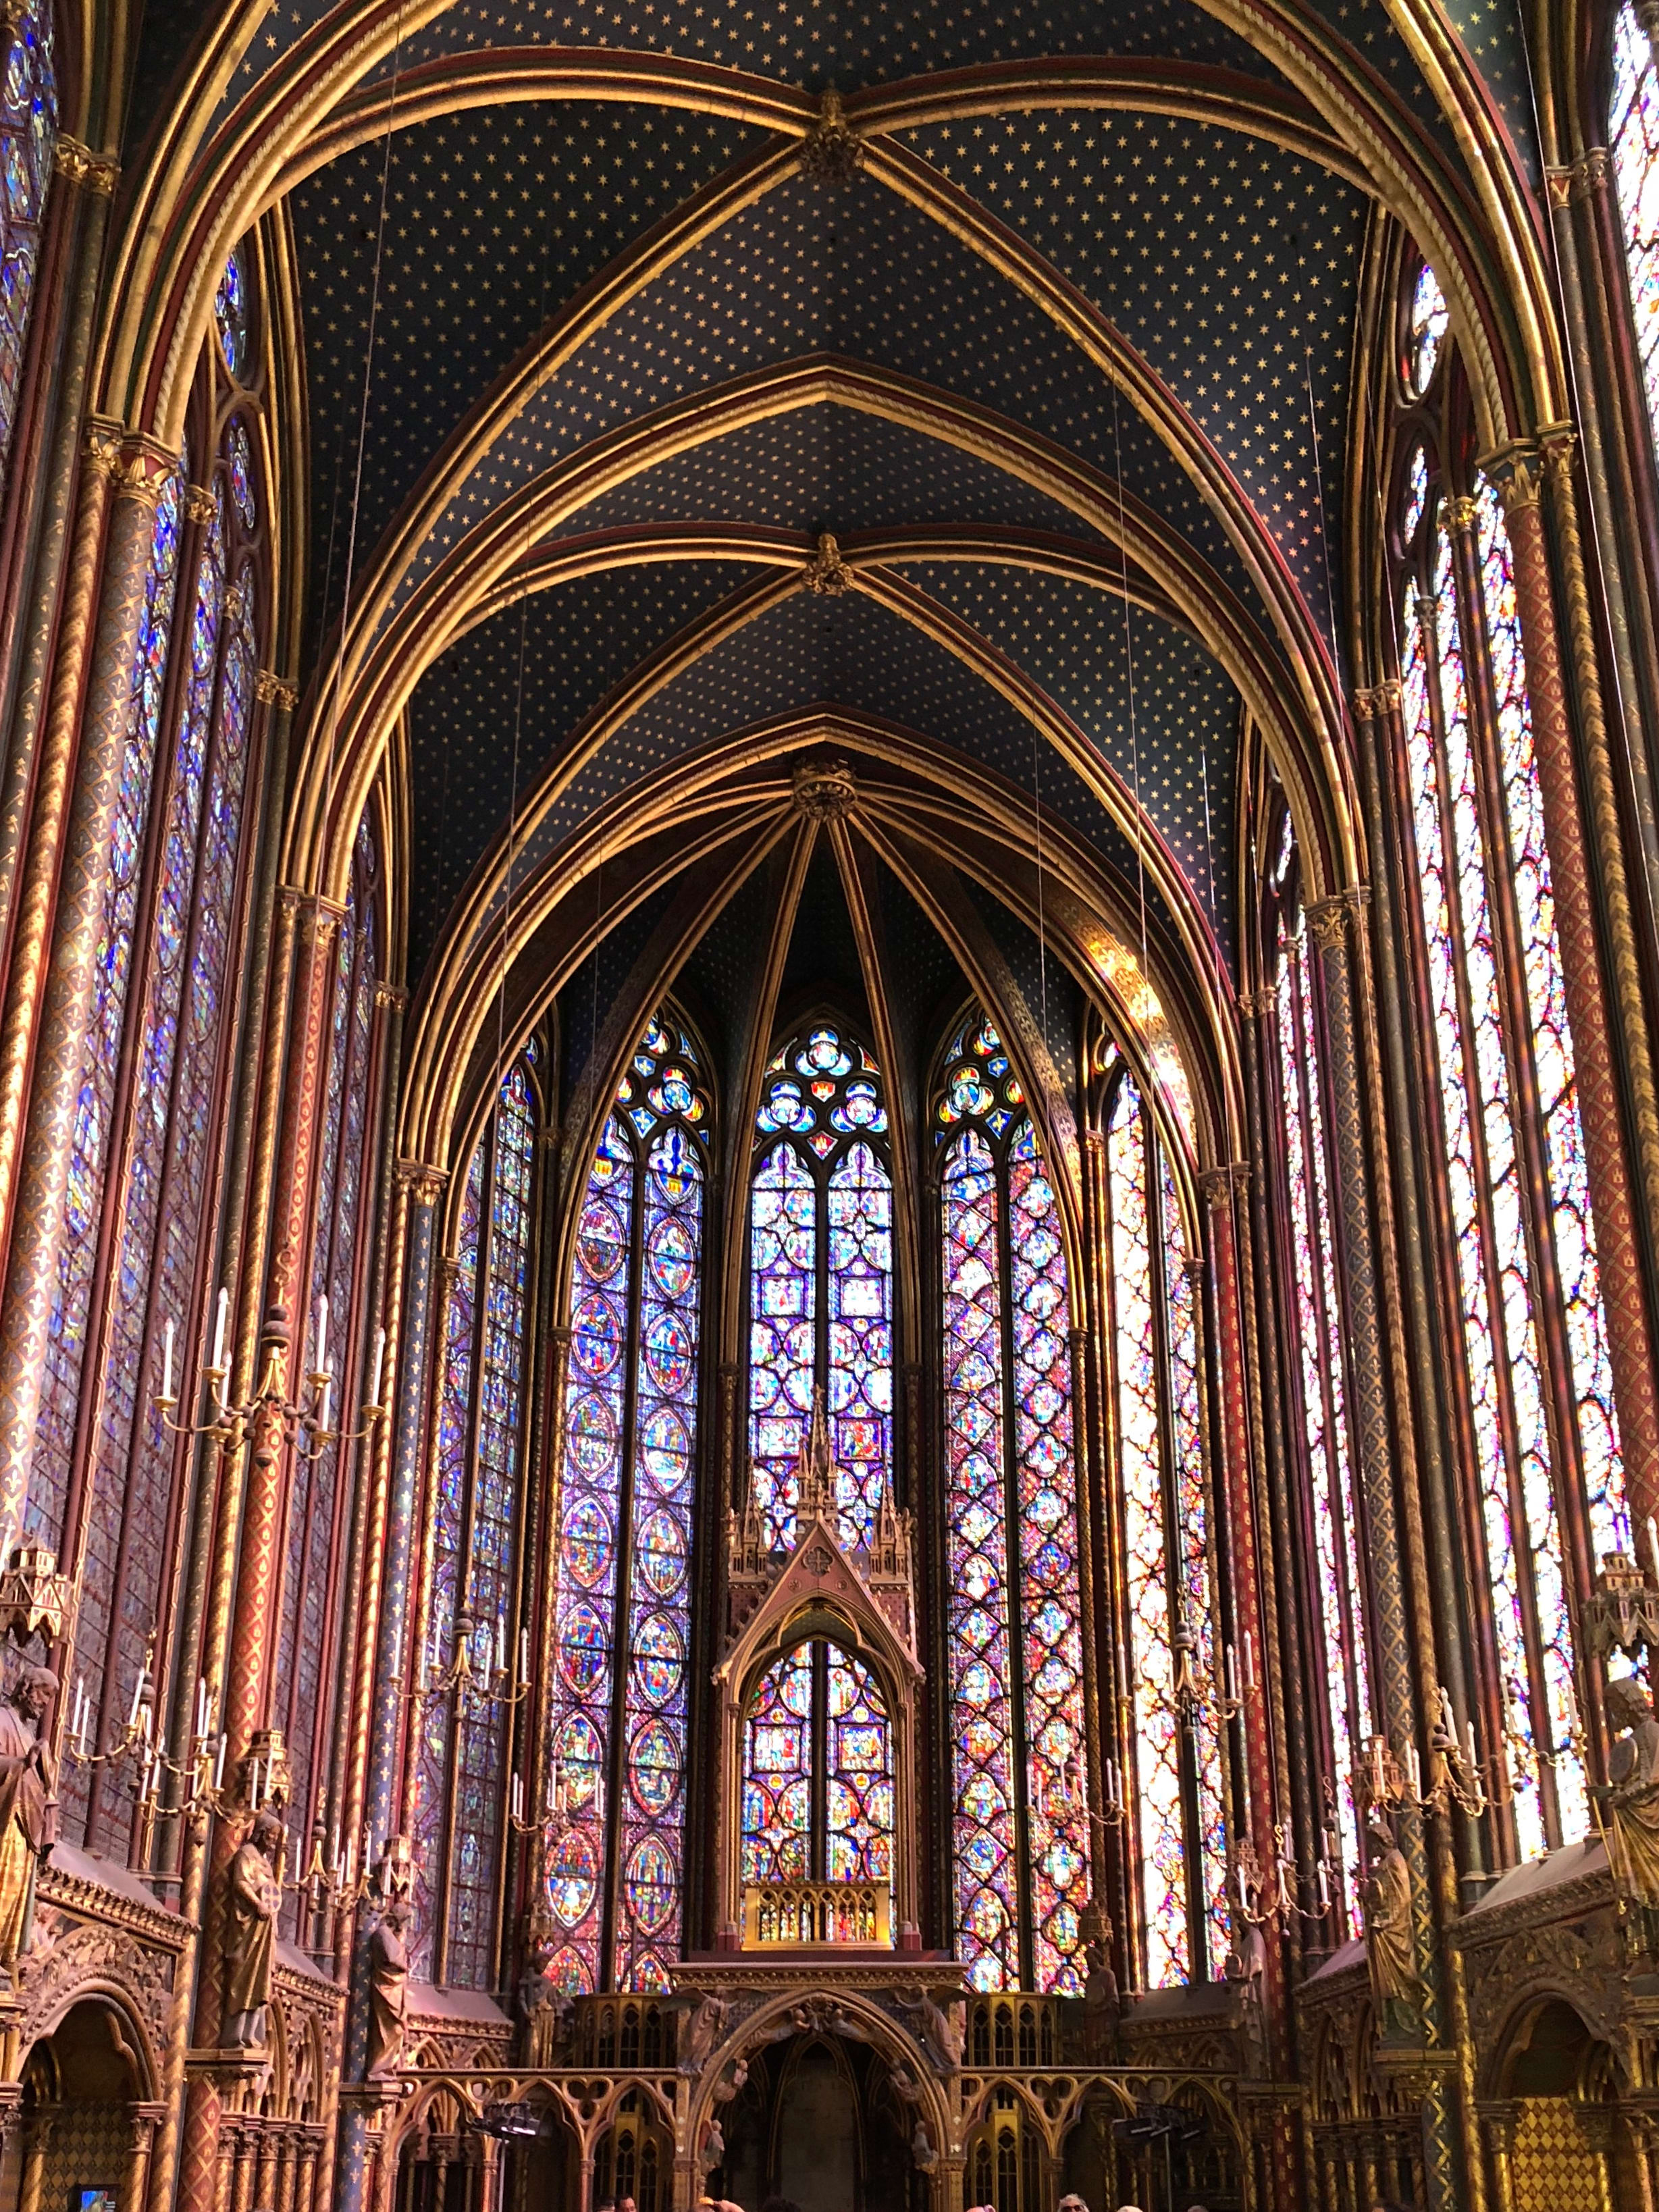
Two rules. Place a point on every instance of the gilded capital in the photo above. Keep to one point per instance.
(1254, 1004)
(199, 503)
(1513, 472)
(94, 173)
(1460, 514)
(1558, 442)
(143, 466)
(1373, 700)
(391, 994)
(423, 1183)
(1327, 921)
(102, 448)
(1218, 1184)
(273, 690)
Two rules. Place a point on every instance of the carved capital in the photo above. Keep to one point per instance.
(1218, 1184)
(1460, 514)
(827, 572)
(80, 166)
(142, 467)
(1559, 443)
(824, 791)
(1252, 1005)
(1513, 471)
(423, 1183)
(1375, 700)
(102, 447)
(271, 690)
(1327, 922)
(235, 601)
(199, 503)
(393, 996)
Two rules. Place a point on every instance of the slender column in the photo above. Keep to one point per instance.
(62, 907)
(1499, 2119)
(1583, 883)
(36, 2144)
(85, 184)
(1329, 922)
(418, 1199)
(137, 2182)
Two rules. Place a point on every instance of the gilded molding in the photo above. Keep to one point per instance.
(1219, 1184)
(79, 165)
(832, 150)
(424, 1184)
(1514, 471)
(273, 690)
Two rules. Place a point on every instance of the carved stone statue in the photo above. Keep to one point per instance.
(921, 2148)
(28, 1805)
(1630, 1798)
(1101, 2006)
(253, 1900)
(1396, 1991)
(704, 2032)
(388, 1989)
(547, 2011)
(938, 2027)
(713, 2147)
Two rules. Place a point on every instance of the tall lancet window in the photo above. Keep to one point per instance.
(1535, 1386)
(136, 1250)
(1633, 142)
(817, 1779)
(460, 1795)
(821, 1280)
(1173, 1762)
(28, 132)
(621, 1597)
(1335, 1569)
(1020, 1818)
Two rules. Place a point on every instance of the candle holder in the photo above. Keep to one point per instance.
(1455, 1776)
(1264, 1898)
(491, 1683)
(301, 1421)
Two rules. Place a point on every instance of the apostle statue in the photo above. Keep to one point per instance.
(28, 1805)
(388, 1989)
(1390, 1951)
(254, 1898)
(1629, 1800)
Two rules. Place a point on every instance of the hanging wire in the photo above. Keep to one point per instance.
(1129, 664)
(363, 415)
(1319, 498)
(1036, 824)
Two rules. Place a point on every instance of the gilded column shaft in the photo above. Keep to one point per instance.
(1579, 892)
(92, 183)
(33, 1181)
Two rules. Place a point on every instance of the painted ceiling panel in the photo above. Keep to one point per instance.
(925, 985)
(843, 652)
(844, 43)
(1367, 27)
(579, 641)
(827, 468)
(1045, 983)
(1491, 30)
(494, 220)
(721, 974)
(597, 985)
(852, 270)
(1180, 749)
(824, 953)
(1227, 264)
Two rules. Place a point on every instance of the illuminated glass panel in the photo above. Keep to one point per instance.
(28, 143)
(777, 1773)
(622, 1580)
(1429, 321)
(1633, 142)
(230, 315)
(654, 1700)
(980, 1661)
(821, 1280)
(1517, 1502)
(89, 1151)
(859, 1756)
(1021, 1839)
(1337, 1538)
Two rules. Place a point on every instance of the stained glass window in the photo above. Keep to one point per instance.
(1488, 916)
(1021, 1841)
(319, 1501)
(459, 1788)
(28, 143)
(821, 1280)
(230, 315)
(1173, 1758)
(1342, 1656)
(617, 1730)
(178, 859)
(1428, 323)
(818, 1771)
(1633, 144)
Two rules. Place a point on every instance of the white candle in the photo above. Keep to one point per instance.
(219, 1766)
(1324, 1888)
(167, 1359)
(380, 1357)
(1448, 1720)
(501, 1643)
(219, 1327)
(1413, 1770)
(1653, 1546)
(517, 1798)
(1250, 1661)
(1469, 1730)
(322, 1333)
(1229, 1675)
(524, 1655)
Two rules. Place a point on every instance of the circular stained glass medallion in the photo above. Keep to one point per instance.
(658, 1658)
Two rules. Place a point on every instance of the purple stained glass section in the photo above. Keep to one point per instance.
(861, 1393)
(859, 1783)
(1633, 142)
(777, 1773)
(783, 1331)
(90, 1149)
(28, 142)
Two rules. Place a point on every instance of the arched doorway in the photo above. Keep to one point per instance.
(83, 2134)
(1556, 2077)
(820, 2120)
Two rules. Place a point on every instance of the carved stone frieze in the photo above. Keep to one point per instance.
(70, 1954)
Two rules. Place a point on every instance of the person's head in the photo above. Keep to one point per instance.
(37, 1688)
(1626, 1702)
(267, 1831)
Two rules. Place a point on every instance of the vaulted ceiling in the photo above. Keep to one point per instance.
(1045, 312)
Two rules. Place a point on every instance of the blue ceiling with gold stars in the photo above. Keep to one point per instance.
(434, 260)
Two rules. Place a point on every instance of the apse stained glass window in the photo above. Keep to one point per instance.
(1339, 1538)
(28, 143)
(1428, 321)
(459, 1787)
(1173, 1781)
(622, 1627)
(164, 991)
(821, 1280)
(1019, 1784)
(319, 1501)
(230, 316)
(1508, 1115)
(1633, 144)
(818, 1771)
